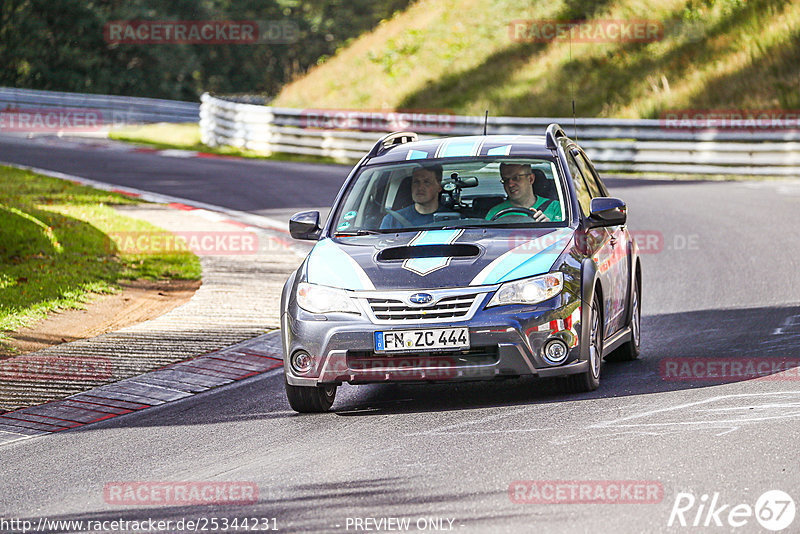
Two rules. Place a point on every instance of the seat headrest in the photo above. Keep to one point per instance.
(403, 196)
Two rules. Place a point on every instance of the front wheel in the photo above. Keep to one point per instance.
(590, 380)
(310, 399)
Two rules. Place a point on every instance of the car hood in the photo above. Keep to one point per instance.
(435, 259)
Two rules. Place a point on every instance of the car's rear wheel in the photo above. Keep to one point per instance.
(590, 380)
(310, 399)
(630, 349)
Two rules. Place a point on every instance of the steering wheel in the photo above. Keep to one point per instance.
(399, 217)
(521, 211)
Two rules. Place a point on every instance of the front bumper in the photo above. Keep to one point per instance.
(505, 342)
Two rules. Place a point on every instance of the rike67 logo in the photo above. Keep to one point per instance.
(774, 510)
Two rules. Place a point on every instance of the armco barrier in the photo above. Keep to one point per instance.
(120, 110)
(615, 145)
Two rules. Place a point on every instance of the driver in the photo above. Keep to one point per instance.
(518, 180)
(426, 184)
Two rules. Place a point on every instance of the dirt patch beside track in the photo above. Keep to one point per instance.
(139, 301)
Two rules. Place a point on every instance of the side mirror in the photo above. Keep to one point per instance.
(607, 211)
(305, 225)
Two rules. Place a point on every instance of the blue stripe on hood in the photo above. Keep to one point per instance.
(328, 265)
(529, 259)
(425, 266)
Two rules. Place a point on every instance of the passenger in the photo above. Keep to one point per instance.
(426, 184)
(518, 181)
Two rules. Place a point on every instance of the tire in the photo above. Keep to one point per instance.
(590, 380)
(629, 350)
(310, 399)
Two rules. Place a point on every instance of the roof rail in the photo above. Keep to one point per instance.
(553, 131)
(388, 141)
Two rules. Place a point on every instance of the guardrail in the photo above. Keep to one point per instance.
(614, 145)
(117, 110)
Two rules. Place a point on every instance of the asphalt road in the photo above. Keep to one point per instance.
(722, 284)
(269, 188)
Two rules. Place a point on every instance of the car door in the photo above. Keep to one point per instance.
(617, 263)
(597, 242)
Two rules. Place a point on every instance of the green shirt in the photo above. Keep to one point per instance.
(553, 211)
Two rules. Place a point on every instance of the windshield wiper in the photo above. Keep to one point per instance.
(356, 233)
(460, 226)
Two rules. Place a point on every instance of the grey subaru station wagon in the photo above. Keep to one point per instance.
(462, 258)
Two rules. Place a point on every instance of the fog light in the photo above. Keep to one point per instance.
(302, 362)
(555, 351)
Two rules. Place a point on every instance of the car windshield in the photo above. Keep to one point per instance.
(434, 194)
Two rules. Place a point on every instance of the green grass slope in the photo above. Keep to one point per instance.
(458, 56)
(57, 249)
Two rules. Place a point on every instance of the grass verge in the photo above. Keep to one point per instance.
(55, 249)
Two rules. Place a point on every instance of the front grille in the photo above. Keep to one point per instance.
(395, 310)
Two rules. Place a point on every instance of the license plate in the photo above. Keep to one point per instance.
(421, 340)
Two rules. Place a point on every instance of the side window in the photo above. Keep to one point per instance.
(362, 205)
(584, 198)
(594, 188)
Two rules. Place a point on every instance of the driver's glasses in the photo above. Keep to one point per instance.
(516, 178)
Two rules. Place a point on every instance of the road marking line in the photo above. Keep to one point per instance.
(618, 423)
(792, 320)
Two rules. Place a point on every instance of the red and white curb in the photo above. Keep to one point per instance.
(171, 383)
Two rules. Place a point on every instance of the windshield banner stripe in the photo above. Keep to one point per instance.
(416, 154)
(457, 148)
(504, 150)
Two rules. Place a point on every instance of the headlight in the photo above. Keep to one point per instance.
(529, 290)
(323, 299)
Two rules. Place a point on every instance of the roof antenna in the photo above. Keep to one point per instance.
(574, 120)
(572, 89)
(485, 121)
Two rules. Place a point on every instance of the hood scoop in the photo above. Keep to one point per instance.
(459, 250)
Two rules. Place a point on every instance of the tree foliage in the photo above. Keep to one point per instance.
(59, 45)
